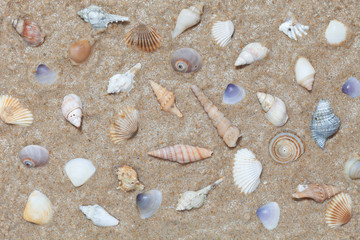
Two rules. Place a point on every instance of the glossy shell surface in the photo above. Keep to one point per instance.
(186, 60)
(286, 147)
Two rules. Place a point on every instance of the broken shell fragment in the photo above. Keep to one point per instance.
(251, 53)
(187, 18)
(128, 179)
(339, 211)
(34, 156)
(292, 28)
(12, 113)
(233, 94)
(29, 31)
(143, 37)
(222, 32)
(38, 209)
(337, 33)
(317, 192)
(126, 124)
(274, 107)
(351, 87)
(269, 215)
(186, 60)
(79, 51)
(352, 168)
(286, 147)
(45, 75)
(148, 203)
(304, 73)
(99, 216)
(79, 171)
(123, 82)
(71, 109)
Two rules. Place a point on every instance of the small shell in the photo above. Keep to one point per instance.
(337, 33)
(186, 60)
(38, 209)
(182, 153)
(274, 107)
(317, 192)
(71, 109)
(34, 156)
(339, 211)
(29, 31)
(233, 94)
(126, 124)
(304, 73)
(187, 18)
(352, 168)
(79, 51)
(144, 37)
(251, 53)
(222, 32)
(247, 170)
(286, 147)
(292, 29)
(99, 216)
(148, 203)
(128, 179)
(45, 75)
(123, 82)
(351, 87)
(269, 215)
(12, 113)
(79, 171)
(166, 99)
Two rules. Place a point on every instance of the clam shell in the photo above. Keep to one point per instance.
(269, 215)
(222, 32)
(12, 113)
(317, 192)
(352, 168)
(339, 211)
(79, 51)
(251, 53)
(286, 147)
(34, 156)
(233, 94)
(126, 124)
(29, 31)
(38, 209)
(45, 75)
(128, 179)
(148, 203)
(274, 107)
(143, 37)
(188, 18)
(71, 109)
(79, 171)
(351, 87)
(337, 33)
(186, 60)
(99, 216)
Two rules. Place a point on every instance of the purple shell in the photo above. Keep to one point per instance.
(233, 94)
(269, 215)
(44, 75)
(351, 87)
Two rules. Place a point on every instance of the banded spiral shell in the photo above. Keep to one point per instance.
(251, 53)
(188, 18)
(12, 113)
(339, 211)
(128, 179)
(126, 124)
(186, 60)
(143, 37)
(34, 156)
(72, 109)
(274, 107)
(29, 31)
(222, 31)
(352, 168)
(286, 147)
(317, 192)
(38, 209)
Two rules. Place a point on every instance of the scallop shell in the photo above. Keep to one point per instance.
(144, 37)
(352, 168)
(99, 216)
(148, 203)
(79, 51)
(123, 82)
(12, 113)
(317, 192)
(186, 60)
(182, 153)
(251, 53)
(29, 31)
(247, 170)
(38, 209)
(286, 147)
(339, 211)
(222, 32)
(292, 28)
(34, 156)
(128, 179)
(71, 109)
(274, 107)
(126, 124)
(304, 73)
(188, 18)
(79, 171)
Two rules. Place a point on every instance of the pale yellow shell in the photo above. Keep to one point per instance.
(128, 179)
(126, 124)
(38, 209)
(12, 113)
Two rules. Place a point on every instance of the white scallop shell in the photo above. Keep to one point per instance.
(352, 168)
(222, 32)
(293, 29)
(188, 18)
(123, 82)
(304, 73)
(38, 209)
(11, 112)
(99, 216)
(251, 53)
(274, 107)
(126, 124)
(71, 109)
(336, 33)
(79, 171)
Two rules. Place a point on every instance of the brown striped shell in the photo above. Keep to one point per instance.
(317, 192)
(126, 125)
(12, 113)
(339, 211)
(29, 31)
(144, 37)
(286, 147)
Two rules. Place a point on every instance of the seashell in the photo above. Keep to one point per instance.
(38, 209)
(233, 94)
(148, 203)
(324, 123)
(339, 211)
(247, 170)
(274, 107)
(191, 199)
(29, 31)
(286, 147)
(187, 18)
(144, 37)
(79, 171)
(71, 109)
(269, 215)
(351, 87)
(99, 216)
(12, 113)
(123, 82)
(304, 73)
(352, 168)
(182, 153)
(251, 53)
(34, 156)
(165, 98)
(126, 124)
(128, 179)
(79, 51)
(228, 132)
(45, 75)
(317, 192)
(337, 33)
(186, 60)
(293, 29)
(98, 18)
(222, 32)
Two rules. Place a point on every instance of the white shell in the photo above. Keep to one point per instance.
(274, 107)
(79, 171)
(71, 109)
(222, 32)
(38, 209)
(269, 215)
(99, 216)
(251, 53)
(188, 18)
(292, 30)
(352, 168)
(123, 82)
(247, 170)
(304, 73)
(336, 33)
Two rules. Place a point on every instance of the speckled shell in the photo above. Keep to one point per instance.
(188, 18)
(12, 113)
(275, 109)
(71, 109)
(29, 31)
(34, 156)
(352, 168)
(144, 37)
(186, 60)
(286, 147)
(38, 209)
(128, 179)
(339, 211)
(317, 192)
(126, 125)
(79, 51)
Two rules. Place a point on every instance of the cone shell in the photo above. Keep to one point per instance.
(275, 109)
(29, 31)
(222, 32)
(34, 156)
(128, 179)
(126, 124)
(286, 147)
(317, 192)
(79, 51)
(304, 73)
(38, 209)
(251, 53)
(71, 109)
(352, 168)
(339, 211)
(182, 153)
(144, 37)
(188, 18)
(12, 113)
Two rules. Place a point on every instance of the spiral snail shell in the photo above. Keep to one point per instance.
(34, 156)
(186, 60)
(286, 147)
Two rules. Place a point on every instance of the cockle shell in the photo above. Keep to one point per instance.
(317, 192)
(286, 147)
(38, 209)
(188, 18)
(324, 123)
(182, 153)
(247, 170)
(126, 124)
(186, 60)
(269, 215)
(79, 171)
(339, 211)
(99, 216)
(12, 113)
(29, 31)
(71, 109)
(351, 87)
(251, 53)
(195, 199)
(148, 203)
(45, 75)
(144, 37)
(337, 33)
(165, 98)
(79, 51)
(123, 82)
(34, 156)
(228, 132)
(128, 179)
(293, 29)
(222, 32)
(233, 94)
(352, 168)
(274, 107)
(304, 73)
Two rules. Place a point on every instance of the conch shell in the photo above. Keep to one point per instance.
(128, 179)
(317, 192)
(274, 107)
(71, 109)
(188, 18)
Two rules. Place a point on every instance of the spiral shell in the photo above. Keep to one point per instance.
(251, 53)
(352, 168)
(186, 60)
(165, 98)
(339, 211)
(317, 192)
(304, 73)
(79, 51)
(34, 156)
(71, 109)
(286, 147)
(126, 124)
(144, 37)
(128, 179)
(12, 113)
(188, 18)
(274, 107)
(29, 31)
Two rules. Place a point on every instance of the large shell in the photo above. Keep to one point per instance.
(188, 18)
(317, 192)
(274, 107)
(99, 216)
(292, 28)
(186, 60)
(324, 123)
(352, 168)
(304, 73)
(38, 209)
(165, 98)
(228, 132)
(34, 156)
(144, 37)
(182, 153)
(337, 33)
(126, 124)
(128, 179)
(79, 51)
(123, 82)
(148, 203)
(269, 215)
(247, 170)
(222, 32)
(251, 53)
(12, 113)
(286, 147)
(45, 75)
(79, 171)
(339, 211)
(29, 31)
(72, 109)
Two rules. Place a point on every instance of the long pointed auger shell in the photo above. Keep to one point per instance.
(188, 18)
(339, 211)
(126, 124)
(274, 107)
(317, 192)
(12, 113)
(228, 132)
(144, 37)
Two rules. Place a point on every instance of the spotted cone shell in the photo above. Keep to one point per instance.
(339, 211)
(12, 113)
(126, 124)
(286, 147)
(317, 192)
(144, 37)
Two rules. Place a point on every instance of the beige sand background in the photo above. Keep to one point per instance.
(227, 214)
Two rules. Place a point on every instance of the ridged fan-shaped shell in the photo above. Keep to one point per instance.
(12, 113)
(222, 32)
(339, 211)
(165, 98)
(317, 192)
(144, 37)
(126, 124)
(286, 147)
